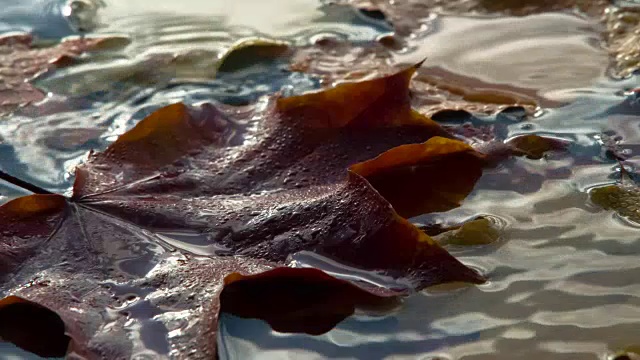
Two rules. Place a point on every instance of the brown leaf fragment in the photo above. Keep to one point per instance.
(21, 62)
(382, 103)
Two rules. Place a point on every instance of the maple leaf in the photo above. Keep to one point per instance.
(194, 212)
(20, 62)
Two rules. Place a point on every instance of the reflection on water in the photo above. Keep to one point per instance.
(164, 22)
(563, 279)
(526, 52)
(308, 259)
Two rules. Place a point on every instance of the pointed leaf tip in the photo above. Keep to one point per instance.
(299, 300)
(384, 101)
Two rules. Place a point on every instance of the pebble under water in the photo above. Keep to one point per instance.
(563, 276)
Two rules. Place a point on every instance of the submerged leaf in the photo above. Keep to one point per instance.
(623, 199)
(333, 60)
(242, 191)
(481, 231)
(436, 89)
(20, 62)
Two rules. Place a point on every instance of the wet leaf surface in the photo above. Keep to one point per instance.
(159, 220)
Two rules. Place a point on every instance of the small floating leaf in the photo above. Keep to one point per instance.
(252, 51)
(535, 146)
(481, 231)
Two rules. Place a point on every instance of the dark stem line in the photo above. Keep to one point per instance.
(23, 184)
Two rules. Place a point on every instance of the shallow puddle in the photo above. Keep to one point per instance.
(563, 275)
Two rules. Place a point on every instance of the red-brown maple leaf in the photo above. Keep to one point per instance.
(195, 211)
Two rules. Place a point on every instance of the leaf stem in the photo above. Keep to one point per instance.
(23, 184)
